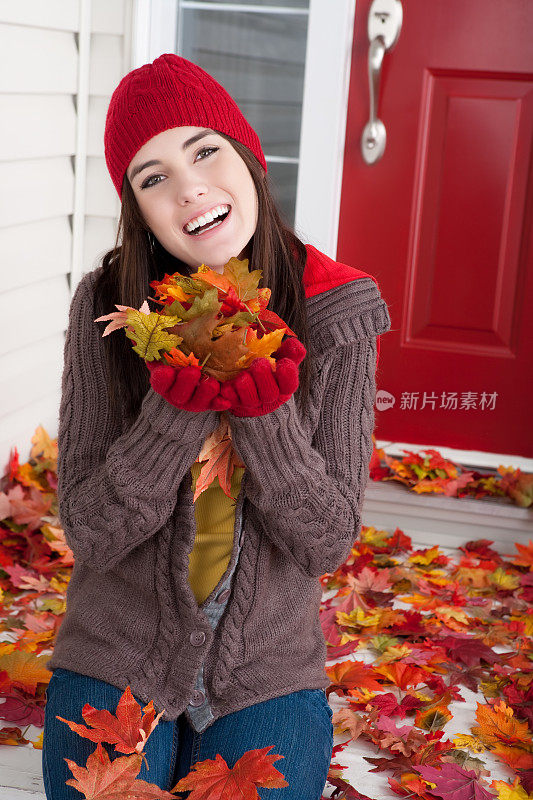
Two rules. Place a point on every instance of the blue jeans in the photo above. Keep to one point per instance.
(298, 725)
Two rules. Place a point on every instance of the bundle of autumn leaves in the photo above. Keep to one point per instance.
(219, 322)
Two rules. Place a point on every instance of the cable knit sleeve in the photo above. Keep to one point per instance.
(306, 494)
(115, 488)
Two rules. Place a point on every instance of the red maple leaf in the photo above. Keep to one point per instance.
(454, 783)
(468, 651)
(127, 731)
(213, 778)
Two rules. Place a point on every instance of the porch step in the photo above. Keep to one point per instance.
(431, 519)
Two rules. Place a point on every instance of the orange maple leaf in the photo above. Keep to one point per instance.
(213, 778)
(127, 731)
(218, 279)
(515, 757)
(411, 785)
(218, 458)
(498, 725)
(176, 358)
(113, 780)
(525, 559)
(25, 669)
(353, 675)
(402, 675)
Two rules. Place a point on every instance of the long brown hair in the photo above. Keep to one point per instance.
(129, 268)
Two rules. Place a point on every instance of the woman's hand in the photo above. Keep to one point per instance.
(186, 387)
(259, 390)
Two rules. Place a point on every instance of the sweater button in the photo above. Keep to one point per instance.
(223, 596)
(197, 698)
(197, 638)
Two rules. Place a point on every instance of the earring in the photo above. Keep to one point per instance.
(151, 241)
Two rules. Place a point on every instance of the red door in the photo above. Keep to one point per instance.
(444, 221)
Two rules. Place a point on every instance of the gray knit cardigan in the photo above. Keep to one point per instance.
(126, 507)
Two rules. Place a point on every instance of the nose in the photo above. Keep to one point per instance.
(189, 187)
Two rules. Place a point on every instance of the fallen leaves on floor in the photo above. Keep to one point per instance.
(427, 624)
(411, 630)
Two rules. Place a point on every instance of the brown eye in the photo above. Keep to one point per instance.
(147, 183)
(213, 149)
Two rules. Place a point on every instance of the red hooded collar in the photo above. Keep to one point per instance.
(322, 273)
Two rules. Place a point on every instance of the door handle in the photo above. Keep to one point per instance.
(384, 26)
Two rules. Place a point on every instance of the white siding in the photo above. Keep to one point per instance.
(61, 15)
(23, 115)
(59, 63)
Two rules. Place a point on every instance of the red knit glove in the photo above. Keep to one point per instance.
(186, 387)
(259, 390)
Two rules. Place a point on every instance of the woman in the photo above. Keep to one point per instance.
(235, 659)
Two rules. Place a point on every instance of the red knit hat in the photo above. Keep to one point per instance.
(168, 93)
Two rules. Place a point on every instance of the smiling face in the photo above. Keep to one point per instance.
(188, 178)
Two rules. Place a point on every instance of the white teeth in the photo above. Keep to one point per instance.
(209, 216)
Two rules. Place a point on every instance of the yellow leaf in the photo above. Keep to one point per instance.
(472, 743)
(427, 557)
(491, 687)
(269, 343)
(43, 445)
(527, 619)
(348, 637)
(38, 743)
(363, 694)
(503, 580)
(358, 617)
(375, 537)
(394, 653)
(149, 334)
(436, 581)
(420, 695)
(510, 791)
(447, 613)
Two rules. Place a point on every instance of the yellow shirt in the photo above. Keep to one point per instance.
(215, 519)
